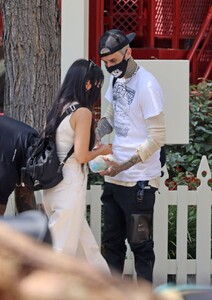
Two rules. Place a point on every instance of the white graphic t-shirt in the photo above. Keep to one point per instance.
(134, 100)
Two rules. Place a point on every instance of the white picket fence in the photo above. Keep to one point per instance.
(200, 269)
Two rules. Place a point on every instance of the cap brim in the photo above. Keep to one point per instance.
(105, 50)
(131, 36)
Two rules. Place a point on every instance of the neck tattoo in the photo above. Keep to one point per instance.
(132, 69)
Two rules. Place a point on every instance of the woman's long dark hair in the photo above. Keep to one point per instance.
(73, 89)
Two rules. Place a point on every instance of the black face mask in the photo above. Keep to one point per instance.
(118, 70)
(93, 95)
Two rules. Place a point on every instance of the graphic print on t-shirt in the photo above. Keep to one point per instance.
(122, 99)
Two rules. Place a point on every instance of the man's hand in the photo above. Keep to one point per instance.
(115, 168)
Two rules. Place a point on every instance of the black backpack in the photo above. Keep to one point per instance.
(43, 169)
(162, 150)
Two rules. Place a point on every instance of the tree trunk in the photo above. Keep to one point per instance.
(31, 43)
(32, 51)
(2, 76)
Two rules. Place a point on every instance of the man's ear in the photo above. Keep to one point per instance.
(88, 85)
(128, 53)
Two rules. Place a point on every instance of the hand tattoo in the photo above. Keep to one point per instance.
(116, 168)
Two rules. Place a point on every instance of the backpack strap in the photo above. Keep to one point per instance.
(67, 112)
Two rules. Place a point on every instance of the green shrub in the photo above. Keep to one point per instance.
(94, 179)
(183, 160)
(191, 232)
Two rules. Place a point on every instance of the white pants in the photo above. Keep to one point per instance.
(65, 207)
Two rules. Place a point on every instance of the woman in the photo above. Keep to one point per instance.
(65, 203)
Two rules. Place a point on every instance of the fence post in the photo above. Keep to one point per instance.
(203, 245)
(93, 198)
(181, 234)
(160, 232)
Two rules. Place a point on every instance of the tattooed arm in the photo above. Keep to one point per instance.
(155, 139)
(105, 124)
(115, 168)
(103, 128)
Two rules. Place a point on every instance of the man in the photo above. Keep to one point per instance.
(15, 137)
(135, 112)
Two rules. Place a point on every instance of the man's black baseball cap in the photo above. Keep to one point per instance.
(114, 40)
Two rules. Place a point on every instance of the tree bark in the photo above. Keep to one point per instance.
(32, 52)
(31, 43)
(2, 81)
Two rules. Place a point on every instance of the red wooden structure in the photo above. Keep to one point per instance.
(165, 29)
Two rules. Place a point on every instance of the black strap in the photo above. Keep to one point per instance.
(67, 112)
(114, 81)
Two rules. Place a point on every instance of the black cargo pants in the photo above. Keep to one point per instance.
(128, 214)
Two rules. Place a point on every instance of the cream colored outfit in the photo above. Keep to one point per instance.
(65, 206)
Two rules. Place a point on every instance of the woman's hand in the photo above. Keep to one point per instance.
(104, 149)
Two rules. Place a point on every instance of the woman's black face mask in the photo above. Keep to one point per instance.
(93, 95)
(118, 70)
